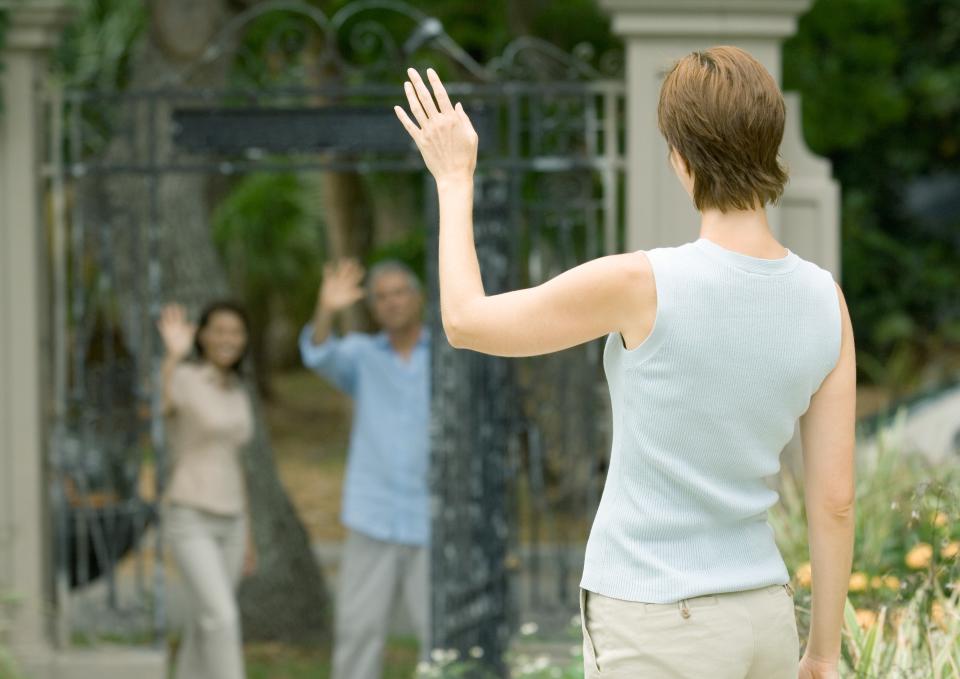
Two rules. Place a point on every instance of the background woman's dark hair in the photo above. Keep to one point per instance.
(205, 316)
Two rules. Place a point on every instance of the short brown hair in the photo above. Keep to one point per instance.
(723, 113)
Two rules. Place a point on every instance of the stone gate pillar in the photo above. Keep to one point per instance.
(33, 29)
(657, 33)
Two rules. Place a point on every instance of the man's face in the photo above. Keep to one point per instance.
(395, 302)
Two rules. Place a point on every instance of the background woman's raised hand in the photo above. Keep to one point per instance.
(442, 132)
(176, 331)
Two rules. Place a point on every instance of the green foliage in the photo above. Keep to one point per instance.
(271, 243)
(97, 46)
(906, 581)
(881, 99)
(921, 643)
(899, 497)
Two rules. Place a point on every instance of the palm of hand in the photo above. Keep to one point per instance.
(443, 132)
(341, 285)
(176, 332)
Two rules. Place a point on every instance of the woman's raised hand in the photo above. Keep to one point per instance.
(176, 332)
(442, 132)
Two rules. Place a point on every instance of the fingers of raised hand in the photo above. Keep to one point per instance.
(172, 314)
(415, 106)
(443, 100)
(422, 92)
(408, 124)
(353, 270)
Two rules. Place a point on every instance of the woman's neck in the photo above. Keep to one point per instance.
(223, 374)
(744, 231)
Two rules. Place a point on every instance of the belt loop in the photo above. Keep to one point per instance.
(684, 611)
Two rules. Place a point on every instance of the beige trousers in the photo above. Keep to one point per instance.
(208, 550)
(734, 635)
(373, 574)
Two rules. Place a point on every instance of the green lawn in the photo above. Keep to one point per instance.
(277, 661)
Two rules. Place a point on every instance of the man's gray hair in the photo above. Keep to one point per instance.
(392, 266)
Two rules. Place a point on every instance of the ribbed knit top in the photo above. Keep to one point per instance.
(701, 412)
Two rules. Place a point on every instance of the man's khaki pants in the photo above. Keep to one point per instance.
(735, 635)
(372, 574)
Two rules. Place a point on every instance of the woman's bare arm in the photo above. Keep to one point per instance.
(614, 293)
(827, 432)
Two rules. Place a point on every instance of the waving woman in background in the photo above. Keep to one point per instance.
(209, 419)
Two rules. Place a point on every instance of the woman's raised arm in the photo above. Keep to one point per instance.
(614, 293)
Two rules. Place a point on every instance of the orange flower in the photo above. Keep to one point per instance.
(804, 574)
(892, 582)
(866, 618)
(858, 582)
(950, 550)
(919, 556)
(876, 582)
(940, 519)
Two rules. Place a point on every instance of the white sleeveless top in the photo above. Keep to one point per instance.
(701, 412)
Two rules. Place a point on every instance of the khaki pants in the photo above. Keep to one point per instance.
(734, 635)
(372, 574)
(208, 549)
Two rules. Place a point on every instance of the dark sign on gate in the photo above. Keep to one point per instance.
(303, 130)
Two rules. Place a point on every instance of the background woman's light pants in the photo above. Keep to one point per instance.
(372, 573)
(208, 549)
(735, 635)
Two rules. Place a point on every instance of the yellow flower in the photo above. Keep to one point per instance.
(858, 582)
(892, 582)
(940, 519)
(919, 556)
(804, 574)
(866, 618)
(876, 582)
(950, 550)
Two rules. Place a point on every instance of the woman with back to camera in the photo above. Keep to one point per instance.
(714, 349)
(209, 420)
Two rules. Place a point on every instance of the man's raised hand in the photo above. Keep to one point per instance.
(342, 285)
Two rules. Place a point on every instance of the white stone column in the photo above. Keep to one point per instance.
(32, 31)
(657, 33)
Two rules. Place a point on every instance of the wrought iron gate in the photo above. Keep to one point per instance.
(519, 446)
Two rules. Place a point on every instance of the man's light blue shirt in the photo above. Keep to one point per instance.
(385, 494)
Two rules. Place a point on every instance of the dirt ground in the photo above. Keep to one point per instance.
(309, 423)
